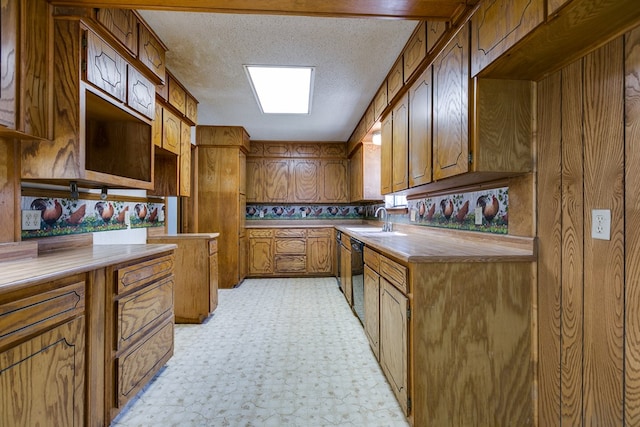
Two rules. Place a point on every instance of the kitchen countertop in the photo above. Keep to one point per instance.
(421, 245)
(48, 266)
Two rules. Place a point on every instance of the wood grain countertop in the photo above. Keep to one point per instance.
(185, 236)
(413, 244)
(47, 266)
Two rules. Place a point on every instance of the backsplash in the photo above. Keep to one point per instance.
(454, 211)
(304, 212)
(458, 211)
(61, 216)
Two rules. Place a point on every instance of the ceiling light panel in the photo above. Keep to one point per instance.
(282, 89)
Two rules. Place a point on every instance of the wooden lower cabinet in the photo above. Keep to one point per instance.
(394, 340)
(42, 357)
(345, 270)
(290, 252)
(196, 275)
(372, 309)
(142, 336)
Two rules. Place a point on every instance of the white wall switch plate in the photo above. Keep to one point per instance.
(601, 224)
(261, 215)
(304, 214)
(31, 220)
(413, 215)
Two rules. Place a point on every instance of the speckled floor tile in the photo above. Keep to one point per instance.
(276, 352)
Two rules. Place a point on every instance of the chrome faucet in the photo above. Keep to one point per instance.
(385, 215)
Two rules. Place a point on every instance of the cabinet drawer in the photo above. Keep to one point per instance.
(30, 315)
(142, 310)
(134, 276)
(213, 246)
(141, 93)
(372, 259)
(105, 68)
(135, 368)
(295, 232)
(291, 264)
(394, 273)
(320, 232)
(255, 233)
(291, 246)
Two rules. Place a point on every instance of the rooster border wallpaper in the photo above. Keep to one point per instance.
(61, 216)
(454, 211)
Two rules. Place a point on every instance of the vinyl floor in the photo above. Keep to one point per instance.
(276, 352)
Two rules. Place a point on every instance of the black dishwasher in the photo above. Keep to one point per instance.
(357, 277)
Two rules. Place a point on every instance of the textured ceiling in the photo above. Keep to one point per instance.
(351, 56)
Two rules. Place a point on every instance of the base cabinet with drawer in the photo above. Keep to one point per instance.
(141, 341)
(387, 320)
(44, 333)
(196, 274)
(291, 252)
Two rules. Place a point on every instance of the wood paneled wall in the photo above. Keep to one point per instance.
(589, 320)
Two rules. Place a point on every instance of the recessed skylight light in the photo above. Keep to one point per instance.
(281, 89)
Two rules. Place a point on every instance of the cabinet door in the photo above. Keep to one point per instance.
(393, 340)
(415, 52)
(380, 101)
(435, 30)
(355, 176)
(123, 25)
(305, 175)
(260, 256)
(276, 180)
(395, 81)
(171, 132)
(451, 108)
(156, 126)
(141, 93)
(213, 282)
(243, 243)
(400, 145)
(255, 180)
(420, 141)
(386, 155)
(499, 24)
(372, 309)
(319, 255)
(150, 52)
(42, 379)
(335, 184)
(106, 69)
(185, 159)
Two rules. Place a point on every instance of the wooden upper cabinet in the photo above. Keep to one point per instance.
(185, 159)
(435, 31)
(123, 25)
(305, 181)
(335, 183)
(26, 102)
(386, 153)
(156, 126)
(255, 180)
(151, 52)
(356, 178)
(553, 6)
(106, 69)
(171, 132)
(141, 93)
(333, 150)
(451, 107)
(400, 145)
(380, 101)
(395, 81)
(277, 179)
(498, 25)
(420, 141)
(415, 51)
(191, 109)
(305, 150)
(177, 94)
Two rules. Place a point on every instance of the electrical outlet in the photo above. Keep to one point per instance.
(31, 220)
(601, 224)
(478, 215)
